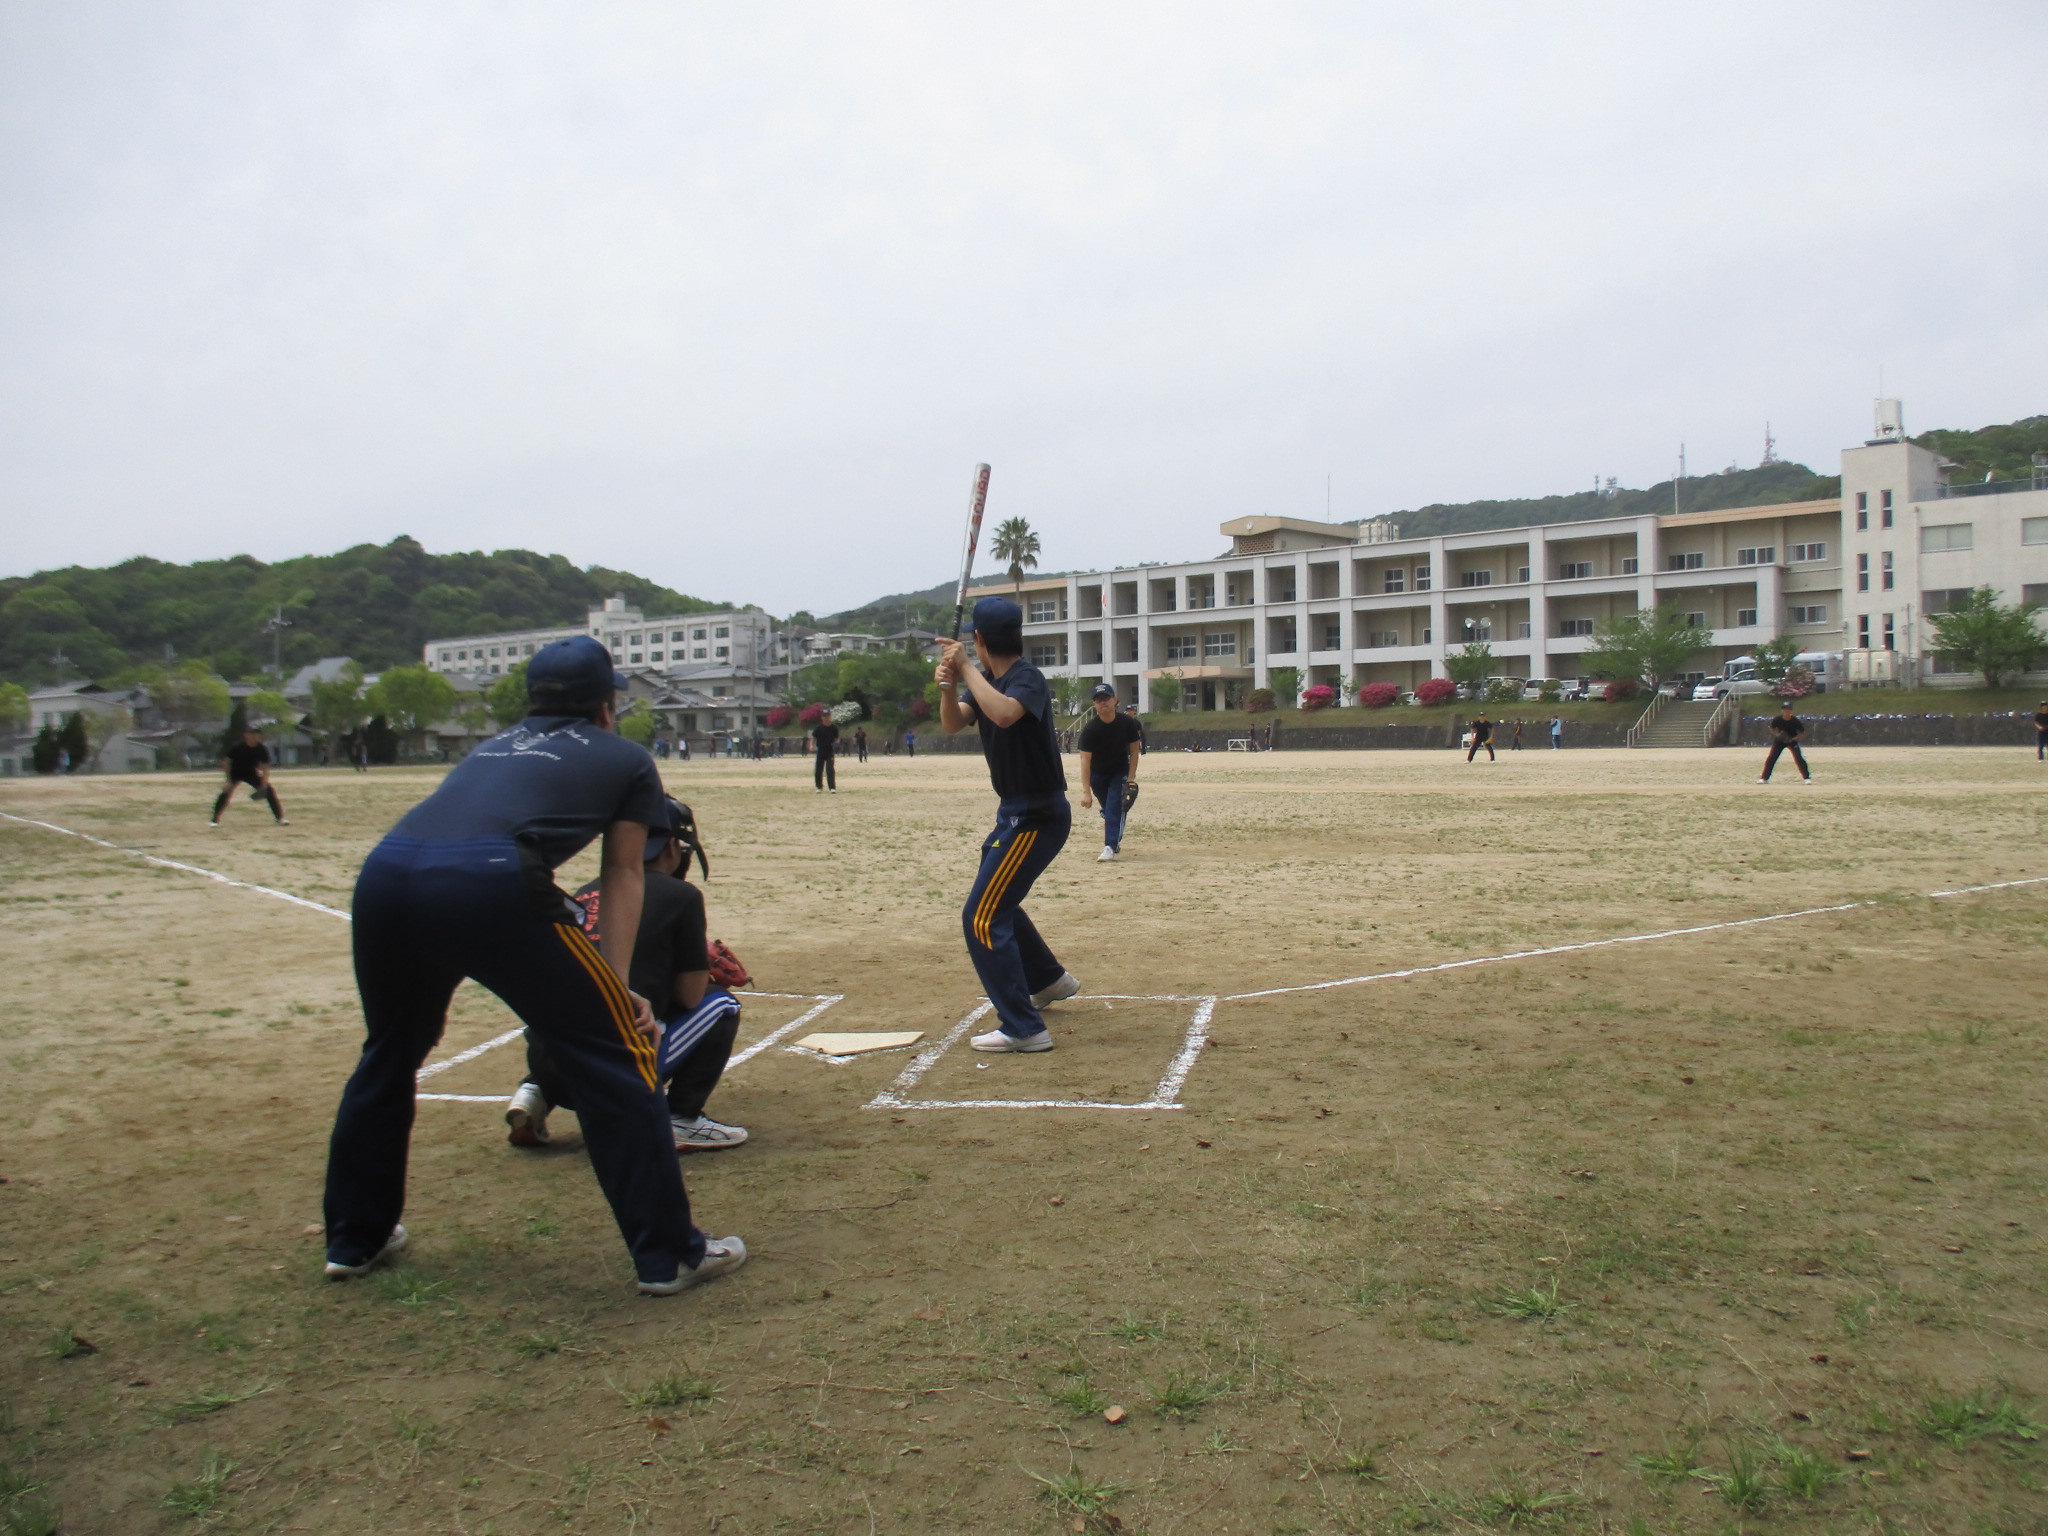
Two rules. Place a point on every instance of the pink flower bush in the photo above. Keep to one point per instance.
(920, 709)
(1437, 690)
(780, 716)
(1620, 690)
(812, 714)
(1378, 695)
(1321, 696)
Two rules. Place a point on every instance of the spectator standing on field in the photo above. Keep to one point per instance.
(2041, 732)
(1785, 733)
(1515, 742)
(910, 742)
(1556, 732)
(860, 742)
(824, 734)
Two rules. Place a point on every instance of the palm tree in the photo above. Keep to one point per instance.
(1016, 543)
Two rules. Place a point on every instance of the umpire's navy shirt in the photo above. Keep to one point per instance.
(551, 783)
(1023, 759)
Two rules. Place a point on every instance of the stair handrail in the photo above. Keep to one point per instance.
(1728, 705)
(1635, 731)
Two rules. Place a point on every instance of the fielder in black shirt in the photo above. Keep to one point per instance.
(247, 762)
(1008, 700)
(826, 735)
(2041, 732)
(1786, 730)
(1482, 736)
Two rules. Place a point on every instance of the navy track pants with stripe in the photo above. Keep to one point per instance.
(428, 914)
(1010, 958)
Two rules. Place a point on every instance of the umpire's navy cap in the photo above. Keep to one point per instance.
(1000, 624)
(573, 671)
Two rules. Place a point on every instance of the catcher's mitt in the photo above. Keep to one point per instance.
(1130, 793)
(726, 969)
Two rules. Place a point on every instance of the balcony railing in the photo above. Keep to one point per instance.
(2038, 481)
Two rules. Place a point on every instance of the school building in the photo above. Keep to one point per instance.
(1857, 576)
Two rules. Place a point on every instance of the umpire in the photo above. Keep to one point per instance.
(464, 886)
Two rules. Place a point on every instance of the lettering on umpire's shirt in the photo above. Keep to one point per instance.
(520, 742)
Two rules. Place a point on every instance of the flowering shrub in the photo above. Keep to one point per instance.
(1378, 695)
(1437, 690)
(1321, 696)
(1620, 690)
(847, 713)
(1797, 683)
(780, 716)
(1260, 702)
(920, 709)
(812, 714)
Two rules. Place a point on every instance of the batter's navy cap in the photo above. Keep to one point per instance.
(1102, 691)
(573, 671)
(1000, 623)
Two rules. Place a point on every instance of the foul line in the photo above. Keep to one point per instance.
(1632, 938)
(190, 869)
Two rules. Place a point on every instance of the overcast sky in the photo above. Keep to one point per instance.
(735, 296)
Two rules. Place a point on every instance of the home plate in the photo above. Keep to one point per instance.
(858, 1044)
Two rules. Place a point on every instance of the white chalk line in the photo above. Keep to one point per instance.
(190, 869)
(1632, 938)
(824, 1000)
(1165, 1096)
(435, 1068)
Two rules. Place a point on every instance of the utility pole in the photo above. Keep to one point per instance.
(1680, 480)
(275, 626)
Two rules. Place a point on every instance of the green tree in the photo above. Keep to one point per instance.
(412, 698)
(1649, 646)
(43, 755)
(637, 725)
(269, 707)
(76, 744)
(1071, 695)
(1167, 693)
(1774, 659)
(1994, 640)
(1470, 667)
(1286, 685)
(14, 710)
(507, 697)
(338, 704)
(1017, 546)
(884, 682)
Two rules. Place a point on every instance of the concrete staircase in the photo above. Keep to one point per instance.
(1678, 725)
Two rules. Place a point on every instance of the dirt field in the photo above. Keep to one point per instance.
(1735, 1230)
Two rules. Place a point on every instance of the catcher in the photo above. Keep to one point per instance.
(685, 980)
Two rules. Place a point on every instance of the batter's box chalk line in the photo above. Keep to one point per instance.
(1165, 1096)
(820, 1001)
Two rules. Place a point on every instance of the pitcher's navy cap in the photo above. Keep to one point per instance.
(1102, 691)
(1000, 623)
(573, 671)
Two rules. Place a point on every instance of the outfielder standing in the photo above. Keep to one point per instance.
(247, 762)
(1008, 700)
(464, 886)
(1482, 736)
(1109, 767)
(1786, 730)
(2041, 732)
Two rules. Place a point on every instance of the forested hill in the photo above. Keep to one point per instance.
(379, 604)
(1758, 487)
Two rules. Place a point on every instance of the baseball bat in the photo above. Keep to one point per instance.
(977, 502)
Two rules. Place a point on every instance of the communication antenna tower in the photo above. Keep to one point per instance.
(1770, 448)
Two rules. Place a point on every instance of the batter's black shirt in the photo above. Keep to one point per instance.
(671, 938)
(243, 759)
(551, 783)
(1788, 730)
(1108, 745)
(824, 734)
(1023, 759)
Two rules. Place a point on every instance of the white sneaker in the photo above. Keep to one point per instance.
(705, 1134)
(1763, 781)
(996, 1040)
(1069, 985)
(1107, 856)
(392, 1244)
(721, 1257)
(527, 1114)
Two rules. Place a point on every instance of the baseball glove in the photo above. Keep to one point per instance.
(1130, 793)
(726, 969)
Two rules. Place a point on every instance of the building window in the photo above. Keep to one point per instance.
(1522, 629)
(1811, 613)
(723, 632)
(1886, 560)
(654, 655)
(1888, 633)
(494, 650)
(1044, 655)
(2035, 592)
(1521, 573)
(1863, 573)
(444, 656)
(1477, 630)
(1809, 552)
(1422, 578)
(1396, 579)
(1044, 610)
(1427, 637)
(1182, 647)
(1885, 516)
(630, 640)
(1941, 600)
(2034, 530)
(1571, 627)
(721, 651)
(1943, 537)
(1279, 585)
(1285, 639)
(1333, 635)
(1379, 639)
(1575, 570)
(720, 693)
(696, 634)
(1224, 644)
(1693, 562)
(1765, 554)
(1863, 631)
(529, 648)
(1475, 578)
(1745, 616)
(1630, 565)
(697, 654)
(1695, 621)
